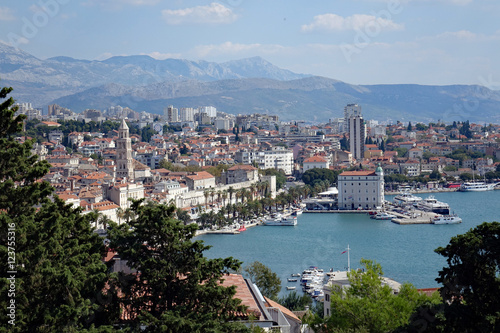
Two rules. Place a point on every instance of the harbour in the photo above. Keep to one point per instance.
(406, 252)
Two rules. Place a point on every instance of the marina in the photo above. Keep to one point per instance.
(406, 253)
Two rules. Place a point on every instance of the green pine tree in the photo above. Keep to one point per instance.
(51, 269)
(177, 289)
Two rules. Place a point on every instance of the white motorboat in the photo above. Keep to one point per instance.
(430, 204)
(383, 216)
(280, 220)
(292, 279)
(405, 199)
(446, 219)
(476, 187)
(290, 288)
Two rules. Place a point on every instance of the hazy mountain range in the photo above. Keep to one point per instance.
(241, 86)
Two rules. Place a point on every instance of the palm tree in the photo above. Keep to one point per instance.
(212, 194)
(224, 197)
(238, 195)
(128, 214)
(206, 194)
(253, 188)
(243, 194)
(265, 187)
(231, 191)
(219, 196)
(120, 214)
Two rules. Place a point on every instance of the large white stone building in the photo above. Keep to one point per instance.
(363, 189)
(120, 193)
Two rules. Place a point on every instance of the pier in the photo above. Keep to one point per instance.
(341, 211)
(420, 218)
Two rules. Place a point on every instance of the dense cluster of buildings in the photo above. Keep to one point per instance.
(126, 168)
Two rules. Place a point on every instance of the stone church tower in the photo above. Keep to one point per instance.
(124, 160)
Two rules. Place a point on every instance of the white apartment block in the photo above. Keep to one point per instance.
(171, 114)
(277, 158)
(210, 110)
(363, 189)
(187, 114)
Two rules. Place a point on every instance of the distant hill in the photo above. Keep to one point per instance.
(314, 99)
(241, 86)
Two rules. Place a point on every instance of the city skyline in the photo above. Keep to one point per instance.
(360, 42)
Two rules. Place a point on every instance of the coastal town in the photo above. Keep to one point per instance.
(201, 159)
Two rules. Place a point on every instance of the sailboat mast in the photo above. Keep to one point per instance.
(348, 259)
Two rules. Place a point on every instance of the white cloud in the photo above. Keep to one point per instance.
(6, 14)
(162, 56)
(104, 56)
(118, 4)
(229, 48)
(463, 36)
(333, 22)
(453, 2)
(215, 13)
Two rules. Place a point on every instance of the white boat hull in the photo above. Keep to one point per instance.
(447, 219)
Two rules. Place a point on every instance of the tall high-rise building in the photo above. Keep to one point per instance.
(210, 110)
(350, 110)
(357, 135)
(124, 160)
(171, 114)
(187, 114)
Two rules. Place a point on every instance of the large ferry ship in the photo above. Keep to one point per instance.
(477, 187)
(405, 199)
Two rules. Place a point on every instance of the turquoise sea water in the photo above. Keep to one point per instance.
(406, 252)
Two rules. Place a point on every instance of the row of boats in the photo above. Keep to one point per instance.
(312, 281)
(429, 204)
(278, 219)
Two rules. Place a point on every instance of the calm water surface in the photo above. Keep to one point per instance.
(406, 252)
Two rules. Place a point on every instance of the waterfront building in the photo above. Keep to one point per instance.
(124, 160)
(361, 189)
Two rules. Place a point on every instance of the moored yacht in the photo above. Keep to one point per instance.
(383, 216)
(280, 220)
(406, 198)
(430, 204)
(446, 219)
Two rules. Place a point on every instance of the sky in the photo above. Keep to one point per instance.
(437, 42)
